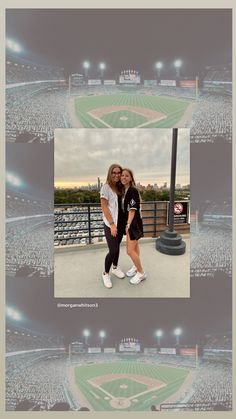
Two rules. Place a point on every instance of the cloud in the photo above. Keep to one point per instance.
(84, 154)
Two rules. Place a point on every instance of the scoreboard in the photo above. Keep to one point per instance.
(77, 79)
(130, 77)
(129, 345)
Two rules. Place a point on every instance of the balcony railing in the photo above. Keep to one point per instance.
(83, 224)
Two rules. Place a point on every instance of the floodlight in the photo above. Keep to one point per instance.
(102, 334)
(178, 331)
(13, 179)
(86, 65)
(178, 63)
(13, 314)
(14, 46)
(102, 66)
(159, 65)
(159, 333)
(86, 333)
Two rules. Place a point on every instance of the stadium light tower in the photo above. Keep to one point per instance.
(86, 65)
(86, 334)
(102, 336)
(102, 67)
(159, 66)
(178, 65)
(177, 333)
(159, 334)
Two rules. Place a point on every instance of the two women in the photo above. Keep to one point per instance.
(120, 204)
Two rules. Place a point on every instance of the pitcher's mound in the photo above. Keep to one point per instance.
(120, 403)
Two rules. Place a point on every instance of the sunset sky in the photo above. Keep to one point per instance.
(83, 155)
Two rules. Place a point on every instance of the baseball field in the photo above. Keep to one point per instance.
(130, 386)
(130, 111)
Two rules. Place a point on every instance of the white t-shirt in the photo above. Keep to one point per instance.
(107, 193)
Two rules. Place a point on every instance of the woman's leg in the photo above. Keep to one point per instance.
(134, 252)
(116, 258)
(114, 249)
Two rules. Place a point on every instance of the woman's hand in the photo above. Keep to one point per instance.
(127, 227)
(113, 230)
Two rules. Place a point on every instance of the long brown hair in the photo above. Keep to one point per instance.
(116, 187)
(132, 183)
(131, 175)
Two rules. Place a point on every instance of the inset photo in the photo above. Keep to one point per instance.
(122, 213)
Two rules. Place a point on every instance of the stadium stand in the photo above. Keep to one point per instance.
(212, 119)
(32, 113)
(212, 384)
(219, 342)
(29, 247)
(207, 253)
(37, 378)
(20, 70)
(224, 74)
(21, 205)
(39, 103)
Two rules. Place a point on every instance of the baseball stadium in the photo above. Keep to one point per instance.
(50, 90)
(46, 370)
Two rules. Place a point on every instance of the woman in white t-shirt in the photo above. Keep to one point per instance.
(114, 223)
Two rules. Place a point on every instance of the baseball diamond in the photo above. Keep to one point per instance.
(129, 111)
(130, 386)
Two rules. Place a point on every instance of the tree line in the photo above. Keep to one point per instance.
(71, 196)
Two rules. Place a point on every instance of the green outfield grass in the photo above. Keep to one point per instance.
(172, 108)
(172, 377)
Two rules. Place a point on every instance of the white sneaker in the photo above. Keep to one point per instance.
(138, 278)
(132, 271)
(118, 272)
(107, 280)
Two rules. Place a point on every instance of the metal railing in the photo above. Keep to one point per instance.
(83, 223)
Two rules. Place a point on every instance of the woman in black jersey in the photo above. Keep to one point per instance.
(134, 225)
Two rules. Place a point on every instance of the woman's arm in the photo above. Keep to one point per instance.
(131, 215)
(107, 213)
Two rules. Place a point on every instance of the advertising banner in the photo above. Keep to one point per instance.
(171, 83)
(109, 82)
(94, 350)
(92, 82)
(187, 83)
(168, 351)
(187, 351)
(150, 82)
(109, 350)
(150, 350)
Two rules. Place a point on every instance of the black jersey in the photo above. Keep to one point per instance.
(132, 202)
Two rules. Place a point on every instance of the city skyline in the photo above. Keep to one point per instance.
(93, 185)
(83, 155)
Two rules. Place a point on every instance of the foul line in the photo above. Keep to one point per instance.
(98, 119)
(127, 398)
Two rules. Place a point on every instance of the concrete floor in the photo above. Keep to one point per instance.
(78, 273)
